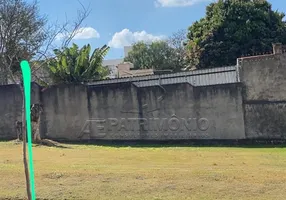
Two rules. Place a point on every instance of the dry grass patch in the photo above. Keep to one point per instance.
(98, 172)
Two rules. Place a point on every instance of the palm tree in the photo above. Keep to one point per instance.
(74, 65)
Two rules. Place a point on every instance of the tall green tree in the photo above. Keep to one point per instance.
(158, 55)
(74, 65)
(233, 28)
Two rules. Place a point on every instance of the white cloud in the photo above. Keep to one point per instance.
(127, 38)
(81, 33)
(177, 3)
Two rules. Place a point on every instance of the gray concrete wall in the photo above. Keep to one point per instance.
(194, 112)
(65, 111)
(125, 112)
(11, 108)
(264, 77)
(264, 95)
(110, 107)
(265, 120)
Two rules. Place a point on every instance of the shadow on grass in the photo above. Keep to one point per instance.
(170, 143)
(56, 146)
(44, 143)
(184, 143)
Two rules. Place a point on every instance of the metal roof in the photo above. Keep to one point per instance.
(203, 77)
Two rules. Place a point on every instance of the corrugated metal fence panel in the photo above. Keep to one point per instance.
(203, 77)
(146, 83)
(214, 79)
(201, 80)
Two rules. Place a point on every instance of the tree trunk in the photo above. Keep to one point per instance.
(36, 110)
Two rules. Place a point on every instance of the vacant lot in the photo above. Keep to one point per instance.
(98, 172)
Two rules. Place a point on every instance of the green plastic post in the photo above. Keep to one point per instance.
(26, 72)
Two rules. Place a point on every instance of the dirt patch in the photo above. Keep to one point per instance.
(54, 175)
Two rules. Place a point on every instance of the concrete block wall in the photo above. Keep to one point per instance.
(11, 101)
(125, 112)
(203, 112)
(264, 94)
(65, 111)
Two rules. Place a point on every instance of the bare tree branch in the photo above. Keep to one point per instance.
(35, 42)
(66, 33)
(81, 16)
(23, 36)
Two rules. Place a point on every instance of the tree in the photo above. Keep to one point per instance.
(159, 55)
(74, 65)
(234, 28)
(24, 35)
(21, 34)
(178, 42)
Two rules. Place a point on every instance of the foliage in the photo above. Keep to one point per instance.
(159, 55)
(178, 42)
(234, 28)
(21, 34)
(73, 65)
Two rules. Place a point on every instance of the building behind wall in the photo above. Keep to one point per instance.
(127, 49)
(120, 69)
(126, 69)
(113, 63)
(112, 66)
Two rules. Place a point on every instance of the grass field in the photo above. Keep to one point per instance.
(101, 172)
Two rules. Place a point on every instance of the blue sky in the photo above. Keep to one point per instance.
(121, 22)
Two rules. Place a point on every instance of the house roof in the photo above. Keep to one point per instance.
(132, 73)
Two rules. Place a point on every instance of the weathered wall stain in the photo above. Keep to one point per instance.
(264, 95)
(11, 107)
(117, 112)
(266, 120)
